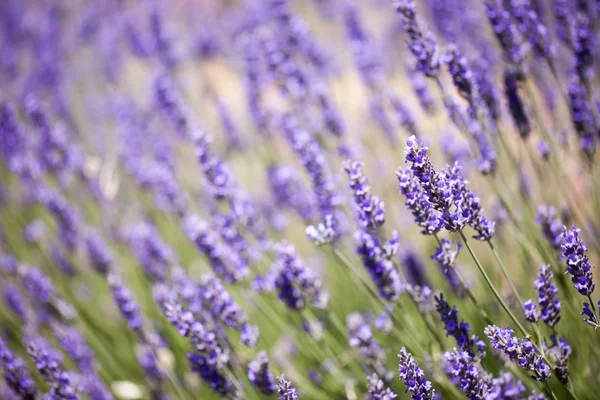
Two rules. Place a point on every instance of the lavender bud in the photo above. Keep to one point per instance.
(578, 266)
(463, 373)
(378, 390)
(370, 209)
(285, 390)
(414, 378)
(259, 374)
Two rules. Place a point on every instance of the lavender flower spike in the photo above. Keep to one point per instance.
(414, 378)
(464, 374)
(285, 390)
(552, 227)
(459, 330)
(16, 375)
(378, 390)
(578, 265)
(48, 362)
(370, 209)
(259, 374)
(525, 352)
(423, 45)
(548, 303)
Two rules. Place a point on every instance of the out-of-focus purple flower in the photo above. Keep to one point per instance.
(463, 78)
(370, 209)
(129, 309)
(99, 253)
(379, 265)
(48, 362)
(552, 227)
(170, 103)
(423, 45)
(543, 149)
(487, 88)
(459, 330)
(93, 386)
(296, 284)
(74, 345)
(260, 375)
(34, 231)
(563, 21)
(217, 173)
(559, 351)
(332, 119)
(505, 387)
(532, 28)
(506, 32)
(403, 115)
(161, 39)
(37, 284)
(11, 139)
(418, 202)
(364, 51)
(16, 375)
(64, 214)
(223, 307)
(414, 378)
(14, 301)
(232, 133)
(548, 304)
(515, 104)
(361, 337)
(419, 86)
(582, 115)
(463, 373)
(582, 35)
(445, 255)
(578, 265)
(378, 390)
(414, 268)
(521, 350)
(208, 243)
(590, 317)
(379, 115)
(152, 252)
(288, 190)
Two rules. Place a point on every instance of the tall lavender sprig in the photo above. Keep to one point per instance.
(515, 104)
(463, 373)
(370, 209)
(506, 32)
(582, 115)
(559, 351)
(423, 45)
(48, 362)
(521, 350)
(548, 304)
(578, 266)
(414, 378)
(285, 390)
(378, 390)
(16, 375)
(551, 226)
(129, 309)
(459, 330)
(259, 374)
(369, 348)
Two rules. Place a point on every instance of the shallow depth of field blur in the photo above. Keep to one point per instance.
(198, 197)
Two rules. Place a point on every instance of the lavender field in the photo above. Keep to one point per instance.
(299, 199)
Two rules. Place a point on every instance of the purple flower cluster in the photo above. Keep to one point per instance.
(459, 330)
(445, 256)
(559, 351)
(48, 362)
(414, 378)
(548, 304)
(515, 104)
(259, 374)
(152, 252)
(378, 390)
(123, 298)
(521, 350)
(422, 45)
(377, 260)
(16, 375)
(552, 227)
(582, 115)
(288, 190)
(370, 209)
(285, 390)
(99, 253)
(506, 32)
(463, 373)
(578, 266)
(369, 348)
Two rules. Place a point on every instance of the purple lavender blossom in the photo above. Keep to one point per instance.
(127, 306)
(543, 149)
(548, 304)
(370, 209)
(583, 46)
(151, 250)
(208, 243)
(285, 390)
(418, 202)
(582, 115)
(74, 345)
(48, 362)
(232, 133)
(414, 378)
(559, 351)
(223, 307)
(459, 330)
(506, 32)
(487, 88)
(551, 226)
(462, 77)
(378, 390)
(515, 104)
(521, 350)
(288, 190)
(532, 28)
(217, 173)
(296, 284)
(12, 142)
(64, 214)
(14, 301)
(361, 337)
(169, 101)
(423, 45)
(37, 284)
(445, 256)
(259, 374)
(578, 267)
(99, 253)
(589, 315)
(378, 263)
(419, 86)
(16, 375)
(506, 387)
(464, 374)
